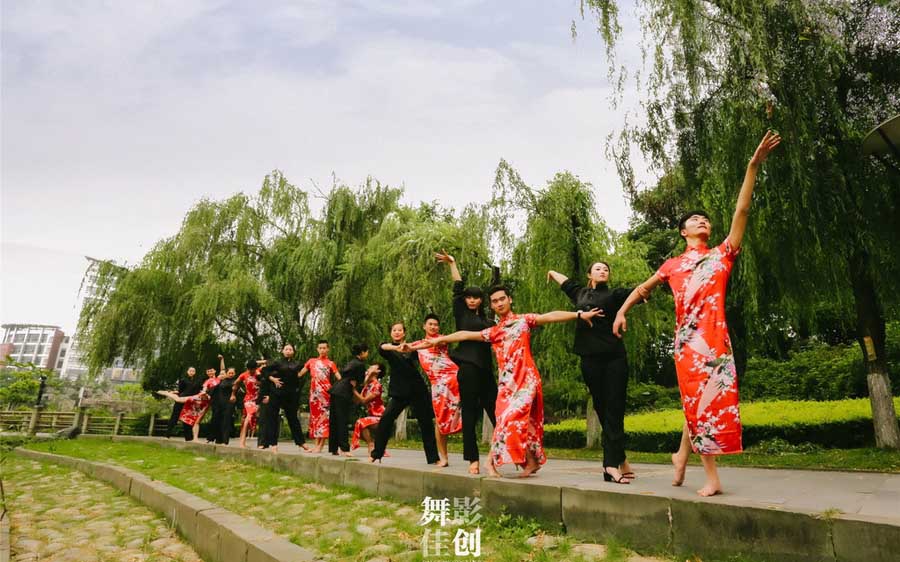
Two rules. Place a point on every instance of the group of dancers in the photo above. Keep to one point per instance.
(462, 382)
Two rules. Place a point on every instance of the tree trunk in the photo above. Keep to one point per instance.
(870, 335)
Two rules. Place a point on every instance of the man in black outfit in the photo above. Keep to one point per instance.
(406, 388)
(285, 375)
(343, 392)
(188, 385)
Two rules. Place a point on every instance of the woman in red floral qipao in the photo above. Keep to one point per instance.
(441, 371)
(321, 370)
(371, 399)
(195, 406)
(250, 380)
(519, 434)
(703, 358)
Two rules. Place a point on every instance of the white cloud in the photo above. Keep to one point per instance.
(114, 133)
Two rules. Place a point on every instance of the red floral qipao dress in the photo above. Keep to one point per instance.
(441, 371)
(704, 361)
(520, 397)
(251, 384)
(375, 409)
(195, 407)
(320, 371)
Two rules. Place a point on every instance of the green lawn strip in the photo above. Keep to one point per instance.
(58, 511)
(310, 514)
(768, 456)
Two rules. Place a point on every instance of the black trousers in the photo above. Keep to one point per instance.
(477, 392)
(606, 377)
(424, 414)
(173, 419)
(222, 430)
(338, 419)
(290, 403)
(187, 431)
(270, 420)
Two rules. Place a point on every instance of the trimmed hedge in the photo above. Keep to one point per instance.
(843, 424)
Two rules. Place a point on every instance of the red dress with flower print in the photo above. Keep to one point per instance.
(704, 361)
(196, 406)
(441, 371)
(520, 398)
(375, 409)
(251, 384)
(320, 372)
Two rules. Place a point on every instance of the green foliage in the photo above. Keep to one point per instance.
(19, 383)
(832, 424)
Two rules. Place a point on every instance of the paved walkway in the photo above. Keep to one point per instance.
(864, 494)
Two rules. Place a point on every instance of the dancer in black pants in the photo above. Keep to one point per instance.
(477, 386)
(406, 388)
(604, 365)
(286, 378)
(188, 385)
(269, 426)
(222, 407)
(344, 393)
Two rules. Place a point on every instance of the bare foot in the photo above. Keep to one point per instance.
(441, 463)
(474, 468)
(530, 468)
(305, 448)
(680, 467)
(242, 445)
(627, 472)
(274, 449)
(711, 489)
(492, 471)
(347, 454)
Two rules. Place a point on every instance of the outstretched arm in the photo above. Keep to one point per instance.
(221, 365)
(556, 276)
(462, 335)
(640, 294)
(742, 209)
(566, 316)
(444, 257)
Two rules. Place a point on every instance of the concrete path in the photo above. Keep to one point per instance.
(865, 494)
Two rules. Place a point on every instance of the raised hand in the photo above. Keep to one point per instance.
(444, 257)
(766, 146)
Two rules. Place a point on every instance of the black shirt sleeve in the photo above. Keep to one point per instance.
(620, 296)
(571, 288)
(459, 301)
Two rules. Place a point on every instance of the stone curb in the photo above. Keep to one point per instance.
(217, 534)
(686, 527)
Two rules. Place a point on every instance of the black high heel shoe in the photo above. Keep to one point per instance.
(607, 477)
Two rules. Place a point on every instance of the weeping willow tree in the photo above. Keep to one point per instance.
(823, 224)
(559, 228)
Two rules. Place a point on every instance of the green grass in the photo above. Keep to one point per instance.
(307, 512)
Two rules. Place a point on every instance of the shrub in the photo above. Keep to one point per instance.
(836, 424)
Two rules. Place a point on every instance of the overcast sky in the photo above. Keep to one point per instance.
(118, 116)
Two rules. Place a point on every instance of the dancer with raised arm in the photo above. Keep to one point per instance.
(286, 395)
(321, 370)
(477, 385)
(249, 381)
(188, 385)
(704, 361)
(604, 366)
(441, 372)
(519, 434)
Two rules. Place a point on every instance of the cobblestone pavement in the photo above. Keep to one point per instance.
(59, 514)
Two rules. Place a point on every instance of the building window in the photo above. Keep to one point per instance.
(28, 349)
(33, 338)
(20, 338)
